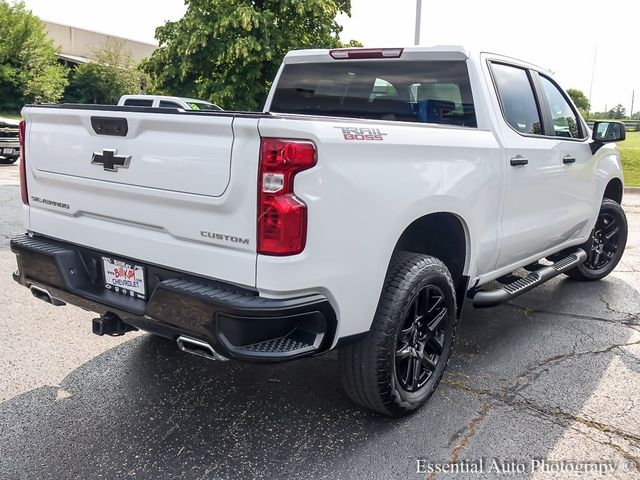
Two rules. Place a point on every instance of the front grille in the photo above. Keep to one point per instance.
(8, 132)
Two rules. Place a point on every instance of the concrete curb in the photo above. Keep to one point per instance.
(631, 189)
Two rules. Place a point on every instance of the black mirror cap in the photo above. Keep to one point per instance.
(606, 132)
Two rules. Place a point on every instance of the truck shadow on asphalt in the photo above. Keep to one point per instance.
(146, 410)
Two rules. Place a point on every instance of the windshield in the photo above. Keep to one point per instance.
(426, 92)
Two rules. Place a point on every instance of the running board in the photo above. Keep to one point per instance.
(491, 298)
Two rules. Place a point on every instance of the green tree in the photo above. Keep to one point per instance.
(580, 99)
(229, 51)
(618, 112)
(29, 72)
(112, 73)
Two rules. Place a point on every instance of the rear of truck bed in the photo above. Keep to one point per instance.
(133, 213)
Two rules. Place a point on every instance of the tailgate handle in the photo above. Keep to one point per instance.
(117, 127)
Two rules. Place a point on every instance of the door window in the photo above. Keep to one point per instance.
(565, 120)
(516, 96)
(167, 104)
(137, 102)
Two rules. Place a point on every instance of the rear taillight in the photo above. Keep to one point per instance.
(23, 163)
(282, 217)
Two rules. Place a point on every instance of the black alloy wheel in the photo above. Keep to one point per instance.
(421, 340)
(606, 244)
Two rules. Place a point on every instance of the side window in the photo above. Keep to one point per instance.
(167, 104)
(565, 120)
(516, 95)
(136, 102)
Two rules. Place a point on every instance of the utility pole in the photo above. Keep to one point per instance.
(633, 98)
(593, 73)
(418, 20)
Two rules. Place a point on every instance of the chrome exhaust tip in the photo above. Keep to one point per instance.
(42, 294)
(199, 348)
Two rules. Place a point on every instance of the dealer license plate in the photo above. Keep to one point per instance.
(124, 278)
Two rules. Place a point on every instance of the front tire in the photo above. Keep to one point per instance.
(396, 368)
(606, 244)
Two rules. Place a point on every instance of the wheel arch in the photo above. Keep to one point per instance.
(451, 244)
(614, 190)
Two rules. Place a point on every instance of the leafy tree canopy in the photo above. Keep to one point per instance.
(29, 72)
(579, 98)
(112, 73)
(618, 112)
(229, 51)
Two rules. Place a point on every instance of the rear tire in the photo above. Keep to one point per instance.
(606, 244)
(396, 368)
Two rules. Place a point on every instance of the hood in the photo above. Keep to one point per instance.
(8, 122)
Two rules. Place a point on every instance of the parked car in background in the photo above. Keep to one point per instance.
(161, 101)
(9, 142)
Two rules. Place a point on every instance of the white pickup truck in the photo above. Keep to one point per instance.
(378, 190)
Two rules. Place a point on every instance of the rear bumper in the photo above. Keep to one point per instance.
(235, 321)
(15, 150)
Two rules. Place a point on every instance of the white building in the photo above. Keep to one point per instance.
(76, 44)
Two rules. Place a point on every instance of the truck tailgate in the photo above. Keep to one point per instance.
(163, 193)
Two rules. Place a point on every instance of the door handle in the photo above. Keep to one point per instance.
(568, 159)
(519, 160)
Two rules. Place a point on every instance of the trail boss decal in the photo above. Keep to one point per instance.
(362, 134)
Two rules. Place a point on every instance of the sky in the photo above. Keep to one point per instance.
(559, 35)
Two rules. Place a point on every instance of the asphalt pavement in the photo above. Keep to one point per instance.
(551, 376)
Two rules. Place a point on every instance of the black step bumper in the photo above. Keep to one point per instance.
(235, 321)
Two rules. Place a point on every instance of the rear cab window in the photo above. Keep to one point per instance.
(409, 91)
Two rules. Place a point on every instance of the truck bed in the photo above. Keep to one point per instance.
(175, 195)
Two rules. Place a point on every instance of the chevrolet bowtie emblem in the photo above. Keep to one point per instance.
(110, 160)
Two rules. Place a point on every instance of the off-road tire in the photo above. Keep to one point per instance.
(586, 270)
(368, 367)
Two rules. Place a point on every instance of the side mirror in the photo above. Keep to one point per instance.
(605, 132)
(609, 132)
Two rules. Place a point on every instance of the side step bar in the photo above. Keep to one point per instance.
(491, 298)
